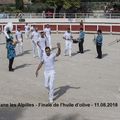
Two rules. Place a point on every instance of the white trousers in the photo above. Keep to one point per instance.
(49, 82)
(27, 34)
(49, 41)
(19, 46)
(68, 47)
(35, 48)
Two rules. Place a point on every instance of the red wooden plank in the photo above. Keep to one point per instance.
(63, 27)
(115, 28)
(104, 28)
(22, 27)
(76, 27)
(90, 27)
(40, 27)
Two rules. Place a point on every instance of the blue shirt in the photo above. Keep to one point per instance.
(99, 39)
(81, 35)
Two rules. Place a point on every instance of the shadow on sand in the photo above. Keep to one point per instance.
(62, 90)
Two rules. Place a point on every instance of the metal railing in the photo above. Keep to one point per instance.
(61, 15)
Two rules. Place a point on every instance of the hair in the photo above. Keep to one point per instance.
(41, 32)
(47, 48)
(99, 30)
(68, 28)
(81, 28)
(8, 31)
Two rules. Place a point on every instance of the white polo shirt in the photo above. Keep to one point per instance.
(47, 31)
(19, 35)
(67, 35)
(35, 36)
(27, 28)
(49, 61)
(42, 43)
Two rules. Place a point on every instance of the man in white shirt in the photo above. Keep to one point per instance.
(47, 31)
(68, 42)
(27, 31)
(49, 72)
(35, 38)
(42, 43)
(19, 38)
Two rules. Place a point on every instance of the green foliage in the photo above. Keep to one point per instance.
(19, 4)
(66, 4)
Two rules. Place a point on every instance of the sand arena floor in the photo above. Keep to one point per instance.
(86, 88)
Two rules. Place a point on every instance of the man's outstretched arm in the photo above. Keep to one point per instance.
(38, 68)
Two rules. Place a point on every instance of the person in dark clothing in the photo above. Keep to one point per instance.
(10, 50)
(81, 40)
(99, 40)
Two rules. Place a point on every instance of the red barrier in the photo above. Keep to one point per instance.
(90, 27)
(21, 27)
(63, 27)
(75, 27)
(104, 28)
(115, 28)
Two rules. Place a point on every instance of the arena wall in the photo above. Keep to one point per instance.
(90, 25)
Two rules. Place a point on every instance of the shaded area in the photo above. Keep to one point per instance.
(8, 113)
(62, 90)
(104, 55)
(75, 53)
(2, 43)
(22, 66)
(87, 50)
(66, 117)
(25, 52)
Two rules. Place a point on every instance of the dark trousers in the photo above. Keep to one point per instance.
(11, 63)
(80, 45)
(99, 51)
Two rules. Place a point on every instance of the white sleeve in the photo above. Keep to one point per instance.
(5, 32)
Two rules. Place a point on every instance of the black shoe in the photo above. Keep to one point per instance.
(99, 57)
(81, 52)
(78, 51)
(12, 70)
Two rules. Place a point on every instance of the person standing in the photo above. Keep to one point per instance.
(42, 43)
(68, 42)
(10, 50)
(27, 31)
(49, 72)
(35, 38)
(19, 38)
(47, 31)
(99, 40)
(81, 40)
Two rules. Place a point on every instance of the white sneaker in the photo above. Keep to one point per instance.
(51, 100)
(34, 56)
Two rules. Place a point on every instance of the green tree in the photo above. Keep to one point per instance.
(66, 4)
(19, 4)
